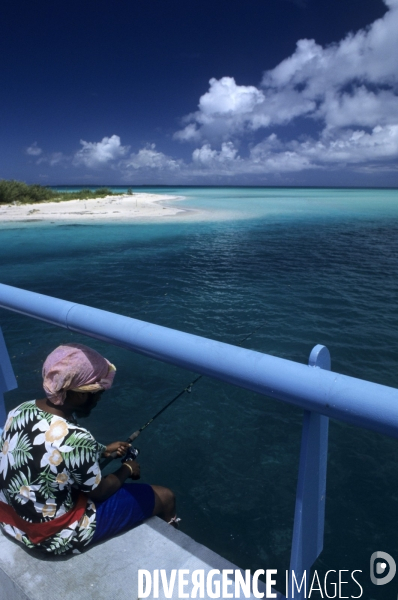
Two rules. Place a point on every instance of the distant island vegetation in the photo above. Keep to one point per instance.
(17, 192)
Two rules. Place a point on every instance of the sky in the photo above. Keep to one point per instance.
(199, 92)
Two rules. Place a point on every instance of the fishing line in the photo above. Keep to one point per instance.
(187, 389)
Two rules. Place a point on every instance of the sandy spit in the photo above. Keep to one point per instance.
(122, 208)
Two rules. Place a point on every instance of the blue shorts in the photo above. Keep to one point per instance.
(130, 505)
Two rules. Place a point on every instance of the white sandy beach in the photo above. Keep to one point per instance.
(122, 208)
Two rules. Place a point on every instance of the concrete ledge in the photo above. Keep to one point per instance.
(106, 571)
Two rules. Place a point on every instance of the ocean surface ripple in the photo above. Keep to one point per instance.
(309, 269)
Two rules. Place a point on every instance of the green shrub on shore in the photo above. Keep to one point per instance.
(17, 191)
(12, 191)
(85, 194)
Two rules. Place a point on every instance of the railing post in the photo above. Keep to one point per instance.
(7, 379)
(309, 516)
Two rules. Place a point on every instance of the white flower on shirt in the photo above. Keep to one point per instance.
(14, 532)
(53, 433)
(85, 525)
(66, 533)
(95, 480)
(48, 509)
(6, 454)
(10, 418)
(51, 458)
(53, 455)
(86, 521)
(27, 492)
(63, 479)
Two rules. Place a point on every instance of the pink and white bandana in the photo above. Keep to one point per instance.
(75, 367)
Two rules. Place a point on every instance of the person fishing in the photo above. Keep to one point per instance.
(53, 496)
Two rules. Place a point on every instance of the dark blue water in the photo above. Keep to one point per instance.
(322, 269)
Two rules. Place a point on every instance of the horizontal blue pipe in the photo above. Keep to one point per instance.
(354, 401)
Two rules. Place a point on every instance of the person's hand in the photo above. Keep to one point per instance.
(136, 469)
(118, 448)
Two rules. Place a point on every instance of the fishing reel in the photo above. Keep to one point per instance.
(131, 454)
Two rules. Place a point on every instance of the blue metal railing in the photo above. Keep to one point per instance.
(313, 387)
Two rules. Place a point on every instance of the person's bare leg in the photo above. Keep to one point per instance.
(165, 503)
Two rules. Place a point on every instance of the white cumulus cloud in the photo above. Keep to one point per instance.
(206, 156)
(347, 90)
(34, 150)
(352, 146)
(345, 94)
(95, 154)
(268, 157)
(54, 159)
(150, 158)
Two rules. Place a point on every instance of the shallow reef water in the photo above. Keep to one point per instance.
(299, 267)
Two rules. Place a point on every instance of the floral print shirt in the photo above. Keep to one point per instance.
(44, 460)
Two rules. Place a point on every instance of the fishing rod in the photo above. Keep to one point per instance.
(132, 453)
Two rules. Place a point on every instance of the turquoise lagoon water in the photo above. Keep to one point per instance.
(308, 265)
